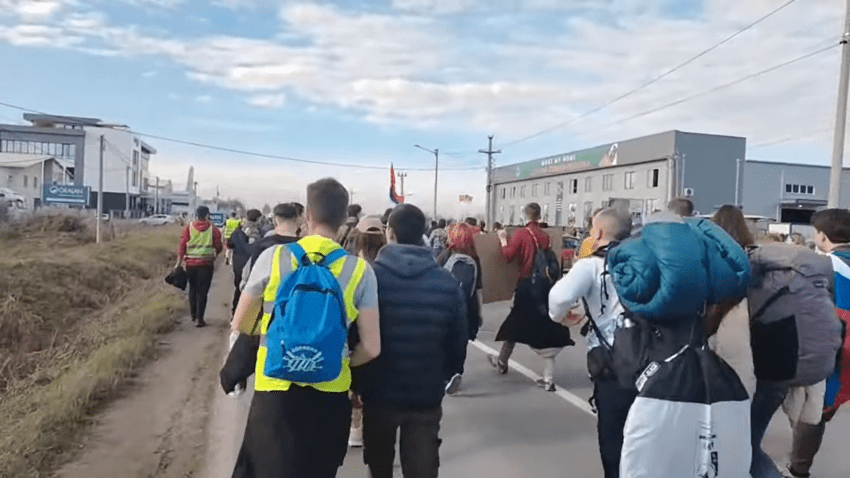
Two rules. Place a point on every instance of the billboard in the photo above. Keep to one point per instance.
(58, 194)
(217, 218)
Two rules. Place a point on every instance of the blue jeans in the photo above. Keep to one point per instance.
(766, 401)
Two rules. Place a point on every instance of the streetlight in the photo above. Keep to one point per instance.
(436, 154)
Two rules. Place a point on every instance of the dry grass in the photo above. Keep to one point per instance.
(75, 319)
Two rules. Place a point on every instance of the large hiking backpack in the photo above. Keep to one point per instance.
(691, 418)
(795, 330)
(545, 271)
(309, 326)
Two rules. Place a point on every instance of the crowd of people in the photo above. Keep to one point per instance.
(407, 297)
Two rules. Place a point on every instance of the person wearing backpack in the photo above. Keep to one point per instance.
(310, 293)
(438, 239)
(528, 321)
(832, 237)
(795, 333)
(346, 232)
(240, 243)
(462, 261)
(423, 342)
(587, 282)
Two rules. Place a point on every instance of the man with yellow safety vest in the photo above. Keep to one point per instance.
(298, 430)
(200, 244)
(230, 226)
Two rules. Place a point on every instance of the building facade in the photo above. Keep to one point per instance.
(789, 192)
(26, 175)
(76, 142)
(644, 173)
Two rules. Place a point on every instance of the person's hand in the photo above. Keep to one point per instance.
(233, 336)
(179, 263)
(503, 237)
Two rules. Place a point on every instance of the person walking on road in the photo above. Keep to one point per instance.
(528, 321)
(298, 430)
(462, 261)
(240, 244)
(587, 282)
(200, 244)
(229, 226)
(832, 236)
(423, 341)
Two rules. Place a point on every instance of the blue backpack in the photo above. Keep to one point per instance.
(307, 334)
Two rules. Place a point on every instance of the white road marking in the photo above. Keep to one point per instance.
(571, 398)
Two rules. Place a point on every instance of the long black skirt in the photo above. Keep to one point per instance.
(529, 323)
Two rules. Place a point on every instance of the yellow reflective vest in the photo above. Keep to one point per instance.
(229, 226)
(349, 271)
(200, 245)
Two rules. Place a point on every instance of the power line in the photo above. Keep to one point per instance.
(652, 81)
(724, 86)
(245, 152)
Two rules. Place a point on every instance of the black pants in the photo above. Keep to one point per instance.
(419, 443)
(300, 433)
(237, 280)
(200, 280)
(612, 404)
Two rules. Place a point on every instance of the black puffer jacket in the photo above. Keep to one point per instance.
(423, 331)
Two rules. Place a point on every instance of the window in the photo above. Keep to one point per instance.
(547, 189)
(534, 190)
(34, 182)
(607, 182)
(630, 180)
(651, 206)
(513, 192)
(588, 182)
(26, 180)
(800, 189)
(572, 213)
(573, 186)
(66, 150)
(38, 148)
(522, 191)
(19, 147)
(73, 151)
(787, 188)
(652, 178)
(810, 190)
(30, 147)
(135, 179)
(588, 210)
(504, 190)
(135, 158)
(796, 188)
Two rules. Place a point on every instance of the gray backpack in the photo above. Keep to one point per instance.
(795, 332)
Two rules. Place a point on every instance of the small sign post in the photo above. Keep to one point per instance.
(58, 194)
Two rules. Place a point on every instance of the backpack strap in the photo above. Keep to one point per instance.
(533, 238)
(593, 325)
(299, 254)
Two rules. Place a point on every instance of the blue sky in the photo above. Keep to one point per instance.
(361, 81)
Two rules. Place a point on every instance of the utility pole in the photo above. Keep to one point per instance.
(127, 194)
(401, 177)
(488, 214)
(156, 197)
(840, 116)
(436, 154)
(99, 193)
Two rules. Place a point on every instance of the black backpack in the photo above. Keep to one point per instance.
(545, 271)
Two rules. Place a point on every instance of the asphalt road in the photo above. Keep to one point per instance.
(505, 426)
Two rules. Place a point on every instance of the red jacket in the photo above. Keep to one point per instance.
(184, 239)
(523, 248)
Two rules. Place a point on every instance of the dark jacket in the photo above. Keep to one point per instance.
(240, 241)
(423, 331)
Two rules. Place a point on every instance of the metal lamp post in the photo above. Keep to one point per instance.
(436, 153)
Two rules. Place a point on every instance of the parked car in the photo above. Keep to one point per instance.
(570, 245)
(157, 220)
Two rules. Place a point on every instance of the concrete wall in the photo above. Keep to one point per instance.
(764, 186)
(709, 164)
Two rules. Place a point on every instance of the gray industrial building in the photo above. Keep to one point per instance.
(647, 172)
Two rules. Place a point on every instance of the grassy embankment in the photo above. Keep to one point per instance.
(76, 318)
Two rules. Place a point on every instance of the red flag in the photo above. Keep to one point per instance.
(395, 198)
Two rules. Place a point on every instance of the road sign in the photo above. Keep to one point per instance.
(57, 194)
(217, 218)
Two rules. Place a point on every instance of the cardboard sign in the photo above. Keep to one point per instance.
(499, 279)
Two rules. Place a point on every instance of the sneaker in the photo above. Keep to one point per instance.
(201, 323)
(454, 384)
(546, 385)
(499, 366)
(355, 437)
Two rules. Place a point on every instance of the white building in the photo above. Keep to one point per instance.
(26, 175)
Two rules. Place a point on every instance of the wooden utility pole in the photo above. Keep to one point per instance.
(488, 202)
(840, 116)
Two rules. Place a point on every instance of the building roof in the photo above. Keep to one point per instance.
(20, 160)
(785, 163)
(146, 147)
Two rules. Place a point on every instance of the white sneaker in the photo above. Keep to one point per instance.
(454, 384)
(355, 437)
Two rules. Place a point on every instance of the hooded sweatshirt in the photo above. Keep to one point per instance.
(201, 226)
(423, 331)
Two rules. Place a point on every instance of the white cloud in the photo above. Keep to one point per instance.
(273, 101)
(150, 74)
(38, 35)
(32, 10)
(203, 99)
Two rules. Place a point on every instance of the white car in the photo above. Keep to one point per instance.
(157, 220)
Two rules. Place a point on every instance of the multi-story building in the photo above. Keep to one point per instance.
(26, 175)
(644, 172)
(77, 143)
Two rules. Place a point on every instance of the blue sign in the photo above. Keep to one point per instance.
(57, 194)
(217, 218)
